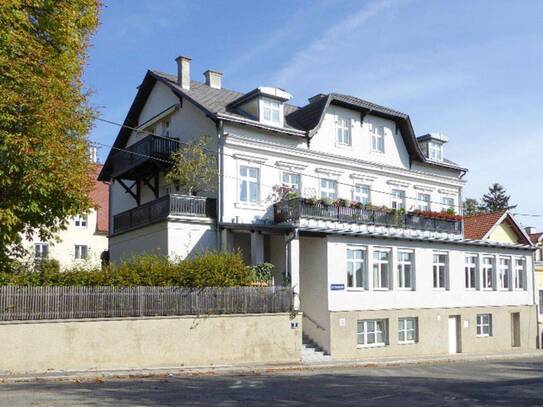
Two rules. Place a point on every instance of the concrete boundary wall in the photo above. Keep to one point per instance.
(155, 342)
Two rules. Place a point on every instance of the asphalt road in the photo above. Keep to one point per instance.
(504, 383)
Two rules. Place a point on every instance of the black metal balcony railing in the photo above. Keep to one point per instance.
(144, 151)
(162, 208)
(292, 210)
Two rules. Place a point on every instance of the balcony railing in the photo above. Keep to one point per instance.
(293, 210)
(162, 208)
(145, 151)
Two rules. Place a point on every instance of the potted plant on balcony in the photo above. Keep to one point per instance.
(449, 215)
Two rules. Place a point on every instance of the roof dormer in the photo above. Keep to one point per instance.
(431, 145)
(264, 104)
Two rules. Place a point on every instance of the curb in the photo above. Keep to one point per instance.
(97, 376)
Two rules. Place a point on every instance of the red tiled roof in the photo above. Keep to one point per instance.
(477, 226)
(100, 197)
(534, 237)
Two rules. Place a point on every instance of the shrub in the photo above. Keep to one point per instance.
(262, 272)
(211, 269)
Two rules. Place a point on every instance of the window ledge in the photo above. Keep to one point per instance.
(354, 289)
(381, 289)
(483, 336)
(407, 343)
(254, 206)
(378, 345)
(405, 289)
(378, 152)
(344, 146)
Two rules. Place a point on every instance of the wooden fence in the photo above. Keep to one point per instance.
(36, 303)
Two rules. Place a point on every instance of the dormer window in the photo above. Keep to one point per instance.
(435, 151)
(378, 139)
(343, 131)
(271, 111)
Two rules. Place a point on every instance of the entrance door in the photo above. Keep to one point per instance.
(515, 329)
(454, 337)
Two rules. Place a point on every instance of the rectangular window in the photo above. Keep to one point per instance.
(405, 269)
(470, 271)
(435, 151)
(80, 252)
(372, 332)
(381, 268)
(378, 139)
(248, 184)
(328, 188)
(343, 130)
(271, 110)
(81, 221)
(356, 268)
(484, 324)
(361, 193)
(423, 202)
(398, 199)
(518, 274)
(541, 301)
(503, 272)
(448, 203)
(291, 180)
(440, 270)
(407, 330)
(166, 129)
(41, 251)
(488, 270)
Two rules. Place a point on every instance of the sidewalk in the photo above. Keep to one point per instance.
(247, 370)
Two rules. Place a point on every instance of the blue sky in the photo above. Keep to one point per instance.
(468, 69)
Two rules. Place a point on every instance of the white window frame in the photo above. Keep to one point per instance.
(403, 330)
(381, 267)
(293, 186)
(351, 264)
(448, 205)
(166, 128)
(435, 151)
(470, 271)
(437, 267)
(269, 107)
(487, 273)
(519, 280)
(423, 201)
(362, 197)
(41, 246)
(504, 277)
(481, 324)
(327, 191)
(81, 221)
(401, 264)
(81, 251)
(343, 131)
(364, 335)
(397, 199)
(248, 180)
(377, 139)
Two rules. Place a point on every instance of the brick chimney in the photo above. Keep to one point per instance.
(183, 72)
(213, 79)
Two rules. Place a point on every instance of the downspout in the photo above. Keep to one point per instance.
(220, 168)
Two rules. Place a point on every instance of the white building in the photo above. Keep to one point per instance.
(85, 240)
(371, 281)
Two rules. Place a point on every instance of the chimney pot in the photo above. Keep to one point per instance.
(213, 79)
(183, 71)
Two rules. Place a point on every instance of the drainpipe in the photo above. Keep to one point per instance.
(220, 168)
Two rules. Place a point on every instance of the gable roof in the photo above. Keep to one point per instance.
(536, 237)
(100, 198)
(219, 104)
(479, 227)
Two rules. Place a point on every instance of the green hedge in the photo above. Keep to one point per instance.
(212, 269)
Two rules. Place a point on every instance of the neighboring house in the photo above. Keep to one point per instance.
(370, 281)
(85, 238)
(537, 240)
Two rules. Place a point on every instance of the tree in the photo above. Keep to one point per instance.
(496, 199)
(44, 116)
(471, 207)
(195, 168)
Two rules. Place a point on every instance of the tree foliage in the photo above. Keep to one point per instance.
(195, 168)
(496, 199)
(472, 207)
(44, 115)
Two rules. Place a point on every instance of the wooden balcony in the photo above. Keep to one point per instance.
(292, 211)
(143, 157)
(162, 208)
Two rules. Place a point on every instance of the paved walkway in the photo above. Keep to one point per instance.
(510, 382)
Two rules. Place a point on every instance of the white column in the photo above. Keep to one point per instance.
(257, 248)
(294, 269)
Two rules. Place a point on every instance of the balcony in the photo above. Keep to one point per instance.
(145, 156)
(163, 208)
(296, 210)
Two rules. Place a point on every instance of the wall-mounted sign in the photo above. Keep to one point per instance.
(337, 287)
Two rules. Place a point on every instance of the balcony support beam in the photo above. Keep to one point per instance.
(128, 189)
(154, 188)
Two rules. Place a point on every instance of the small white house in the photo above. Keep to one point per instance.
(385, 270)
